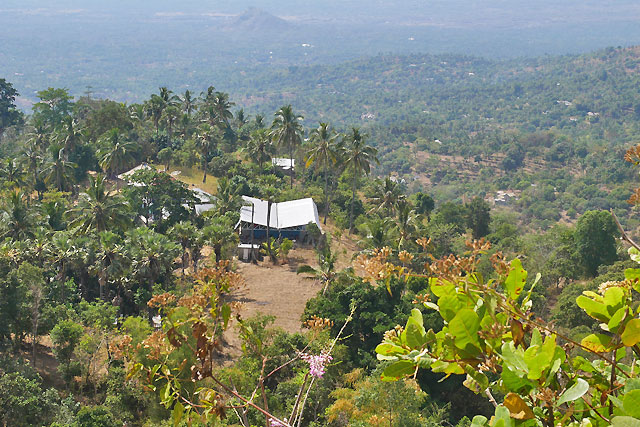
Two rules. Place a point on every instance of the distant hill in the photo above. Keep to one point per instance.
(256, 20)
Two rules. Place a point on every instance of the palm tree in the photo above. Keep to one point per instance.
(18, 218)
(358, 159)
(227, 197)
(184, 233)
(99, 210)
(322, 154)
(12, 172)
(59, 172)
(110, 259)
(39, 135)
(31, 157)
(118, 155)
(326, 271)
(171, 115)
(259, 147)
(154, 108)
(188, 103)
(218, 233)
(222, 108)
(168, 98)
(380, 232)
(205, 143)
(286, 131)
(408, 222)
(388, 195)
(69, 136)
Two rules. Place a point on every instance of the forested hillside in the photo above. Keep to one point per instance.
(466, 264)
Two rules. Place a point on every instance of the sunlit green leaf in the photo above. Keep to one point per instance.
(574, 392)
(464, 327)
(631, 334)
(514, 283)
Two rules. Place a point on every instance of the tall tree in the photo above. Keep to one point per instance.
(54, 106)
(118, 153)
(206, 139)
(18, 218)
(259, 147)
(59, 173)
(184, 233)
(9, 114)
(358, 158)
(69, 136)
(595, 237)
(387, 196)
(153, 109)
(323, 153)
(188, 103)
(98, 210)
(286, 131)
(109, 259)
(478, 217)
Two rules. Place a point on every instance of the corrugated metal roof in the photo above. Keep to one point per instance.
(284, 163)
(294, 213)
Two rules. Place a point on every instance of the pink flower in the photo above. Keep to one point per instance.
(316, 363)
(275, 423)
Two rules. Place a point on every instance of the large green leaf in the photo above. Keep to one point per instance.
(176, 414)
(398, 370)
(387, 349)
(631, 334)
(614, 299)
(631, 403)
(502, 417)
(476, 381)
(514, 357)
(414, 334)
(574, 392)
(597, 342)
(464, 327)
(451, 304)
(539, 358)
(517, 277)
(625, 422)
(593, 308)
(479, 421)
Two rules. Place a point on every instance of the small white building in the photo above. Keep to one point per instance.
(126, 176)
(287, 219)
(284, 163)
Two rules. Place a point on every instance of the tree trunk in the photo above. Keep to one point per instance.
(217, 249)
(326, 194)
(268, 228)
(204, 169)
(291, 172)
(353, 200)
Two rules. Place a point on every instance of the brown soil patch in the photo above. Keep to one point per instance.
(276, 290)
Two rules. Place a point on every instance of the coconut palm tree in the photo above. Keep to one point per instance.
(12, 172)
(117, 155)
(286, 131)
(326, 271)
(205, 142)
(18, 218)
(169, 99)
(227, 198)
(387, 196)
(171, 115)
(323, 153)
(184, 233)
(59, 173)
(358, 158)
(69, 136)
(259, 147)
(407, 222)
(188, 102)
(98, 210)
(109, 259)
(31, 157)
(222, 108)
(154, 108)
(379, 232)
